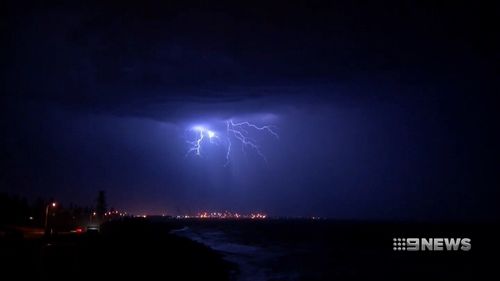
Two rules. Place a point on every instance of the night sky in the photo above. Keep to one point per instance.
(384, 110)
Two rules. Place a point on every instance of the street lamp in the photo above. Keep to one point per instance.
(53, 205)
(92, 215)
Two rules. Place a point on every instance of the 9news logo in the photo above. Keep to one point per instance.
(431, 244)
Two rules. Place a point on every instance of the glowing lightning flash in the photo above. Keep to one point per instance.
(236, 130)
(196, 144)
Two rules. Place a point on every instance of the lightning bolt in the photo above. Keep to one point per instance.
(266, 128)
(239, 131)
(228, 152)
(196, 144)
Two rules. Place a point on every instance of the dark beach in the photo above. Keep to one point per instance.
(127, 249)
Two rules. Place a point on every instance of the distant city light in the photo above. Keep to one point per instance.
(112, 214)
(53, 204)
(226, 215)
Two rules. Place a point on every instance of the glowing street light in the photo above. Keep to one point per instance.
(91, 216)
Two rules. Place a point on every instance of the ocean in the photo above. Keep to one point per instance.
(332, 250)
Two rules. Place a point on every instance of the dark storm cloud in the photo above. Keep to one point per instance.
(128, 57)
